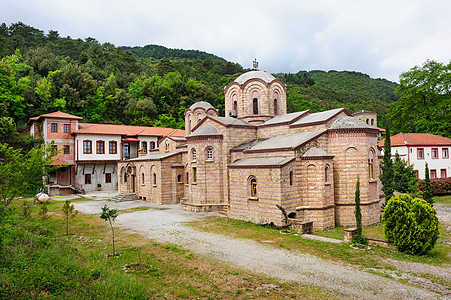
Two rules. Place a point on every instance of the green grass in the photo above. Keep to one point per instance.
(446, 199)
(37, 260)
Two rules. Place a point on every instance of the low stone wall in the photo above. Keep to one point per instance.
(198, 207)
(349, 236)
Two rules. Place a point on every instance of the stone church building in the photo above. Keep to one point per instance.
(259, 157)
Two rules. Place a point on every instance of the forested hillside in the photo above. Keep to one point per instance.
(152, 85)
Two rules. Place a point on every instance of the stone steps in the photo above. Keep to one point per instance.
(124, 197)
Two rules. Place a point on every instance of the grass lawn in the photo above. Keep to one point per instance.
(446, 199)
(38, 260)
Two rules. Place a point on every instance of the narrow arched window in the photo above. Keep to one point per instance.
(255, 106)
(252, 186)
(194, 154)
(371, 163)
(179, 178)
(187, 178)
(327, 173)
(235, 106)
(291, 178)
(154, 178)
(142, 178)
(275, 106)
(372, 122)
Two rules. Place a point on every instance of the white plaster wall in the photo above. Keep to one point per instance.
(94, 138)
(420, 164)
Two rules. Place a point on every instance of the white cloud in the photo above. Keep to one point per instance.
(380, 38)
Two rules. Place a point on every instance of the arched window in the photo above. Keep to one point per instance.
(167, 146)
(154, 178)
(235, 106)
(367, 121)
(142, 178)
(194, 154)
(275, 106)
(327, 173)
(371, 164)
(372, 122)
(179, 178)
(187, 178)
(189, 125)
(255, 106)
(291, 177)
(199, 118)
(209, 154)
(123, 175)
(252, 183)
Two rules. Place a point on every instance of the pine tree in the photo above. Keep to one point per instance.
(427, 193)
(387, 176)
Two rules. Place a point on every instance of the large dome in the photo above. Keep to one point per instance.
(255, 75)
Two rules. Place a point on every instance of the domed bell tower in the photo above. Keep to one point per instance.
(255, 97)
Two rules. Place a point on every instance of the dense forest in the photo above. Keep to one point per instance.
(150, 85)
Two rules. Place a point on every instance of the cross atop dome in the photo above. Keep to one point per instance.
(255, 64)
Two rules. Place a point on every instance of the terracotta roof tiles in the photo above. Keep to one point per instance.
(127, 130)
(417, 139)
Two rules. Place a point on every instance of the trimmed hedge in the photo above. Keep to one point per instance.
(439, 185)
(410, 224)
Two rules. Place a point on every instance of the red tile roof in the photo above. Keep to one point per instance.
(127, 130)
(56, 115)
(417, 139)
(61, 162)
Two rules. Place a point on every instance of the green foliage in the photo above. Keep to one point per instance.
(69, 212)
(387, 176)
(123, 85)
(405, 178)
(358, 238)
(23, 171)
(285, 215)
(43, 211)
(109, 215)
(38, 263)
(425, 104)
(428, 195)
(410, 224)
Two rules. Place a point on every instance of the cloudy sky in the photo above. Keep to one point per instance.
(380, 38)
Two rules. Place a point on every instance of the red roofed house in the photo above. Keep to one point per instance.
(90, 152)
(421, 148)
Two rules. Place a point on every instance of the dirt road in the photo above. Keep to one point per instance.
(165, 224)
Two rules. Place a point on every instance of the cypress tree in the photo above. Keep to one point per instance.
(427, 193)
(387, 176)
(358, 238)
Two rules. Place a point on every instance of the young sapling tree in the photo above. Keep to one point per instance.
(109, 215)
(69, 212)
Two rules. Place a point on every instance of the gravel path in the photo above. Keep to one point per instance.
(165, 224)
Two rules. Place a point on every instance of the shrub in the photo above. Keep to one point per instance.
(439, 185)
(410, 224)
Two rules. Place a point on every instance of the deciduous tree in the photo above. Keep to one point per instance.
(23, 172)
(425, 104)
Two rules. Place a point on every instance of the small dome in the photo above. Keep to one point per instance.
(255, 75)
(346, 122)
(201, 104)
(206, 130)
